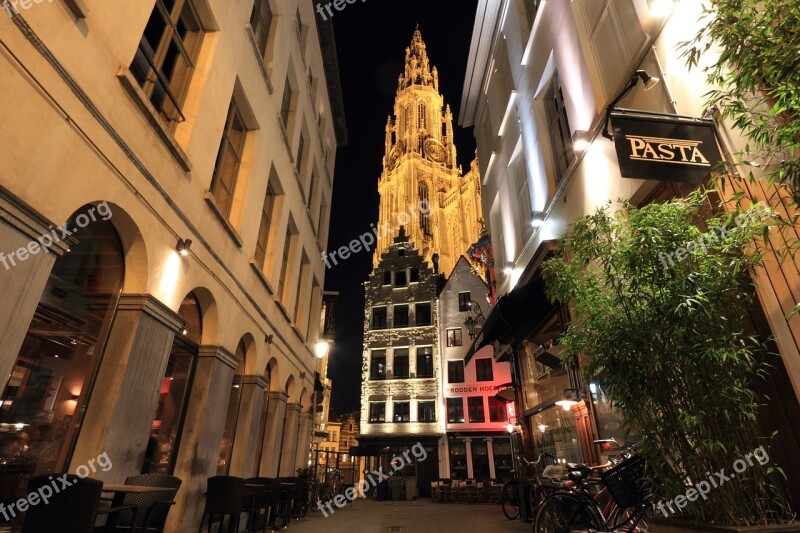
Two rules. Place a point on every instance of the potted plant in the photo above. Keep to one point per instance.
(660, 308)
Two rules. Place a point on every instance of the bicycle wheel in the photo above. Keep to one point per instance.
(323, 493)
(565, 512)
(630, 520)
(509, 500)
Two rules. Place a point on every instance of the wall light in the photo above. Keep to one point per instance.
(570, 399)
(648, 80)
(661, 8)
(321, 349)
(183, 246)
(537, 219)
(508, 268)
(580, 140)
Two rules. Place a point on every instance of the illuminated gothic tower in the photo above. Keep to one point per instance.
(420, 164)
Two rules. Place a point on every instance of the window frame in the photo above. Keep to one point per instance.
(407, 405)
(472, 404)
(373, 357)
(397, 311)
(557, 120)
(425, 365)
(385, 310)
(234, 116)
(480, 369)
(455, 337)
(401, 355)
(464, 304)
(375, 419)
(459, 409)
(420, 411)
(459, 375)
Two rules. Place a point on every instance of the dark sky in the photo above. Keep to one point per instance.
(371, 38)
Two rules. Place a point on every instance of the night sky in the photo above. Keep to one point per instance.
(371, 38)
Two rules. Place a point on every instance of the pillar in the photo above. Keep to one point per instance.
(490, 455)
(291, 432)
(120, 411)
(470, 471)
(273, 435)
(204, 424)
(248, 424)
(22, 282)
(304, 442)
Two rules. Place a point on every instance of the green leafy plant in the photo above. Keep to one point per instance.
(669, 341)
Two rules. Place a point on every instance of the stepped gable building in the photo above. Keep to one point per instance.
(420, 166)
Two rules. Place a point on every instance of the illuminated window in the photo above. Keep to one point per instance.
(424, 219)
(558, 126)
(402, 412)
(464, 301)
(426, 411)
(378, 365)
(377, 412)
(483, 370)
(475, 406)
(421, 115)
(424, 362)
(455, 371)
(400, 363)
(454, 337)
(455, 410)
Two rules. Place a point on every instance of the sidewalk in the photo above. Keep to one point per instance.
(368, 516)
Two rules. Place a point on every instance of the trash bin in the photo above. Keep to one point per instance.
(411, 488)
(395, 488)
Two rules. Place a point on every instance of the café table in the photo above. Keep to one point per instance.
(133, 489)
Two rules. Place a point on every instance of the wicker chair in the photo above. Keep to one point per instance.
(224, 497)
(152, 507)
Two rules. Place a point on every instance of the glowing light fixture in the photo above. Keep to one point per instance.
(321, 349)
(570, 399)
(183, 246)
(508, 268)
(581, 140)
(661, 8)
(537, 220)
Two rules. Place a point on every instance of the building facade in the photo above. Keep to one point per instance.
(400, 374)
(477, 444)
(187, 150)
(541, 76)
(420, 168)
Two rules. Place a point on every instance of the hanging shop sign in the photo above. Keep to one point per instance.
(666, 148)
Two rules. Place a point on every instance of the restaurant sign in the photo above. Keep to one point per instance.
(666, 148)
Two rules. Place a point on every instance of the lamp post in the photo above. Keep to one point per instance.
(473, 325)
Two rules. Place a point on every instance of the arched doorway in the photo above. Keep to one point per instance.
(165, 432)
(48, 389)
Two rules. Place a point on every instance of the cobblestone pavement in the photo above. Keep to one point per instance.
(410, 517)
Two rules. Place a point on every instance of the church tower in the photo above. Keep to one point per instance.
(420, 168)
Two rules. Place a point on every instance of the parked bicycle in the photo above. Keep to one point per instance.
(330, 488)
(575, 508)
(534, 487)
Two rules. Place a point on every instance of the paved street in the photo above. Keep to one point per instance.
(410, 517)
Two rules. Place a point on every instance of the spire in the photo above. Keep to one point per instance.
(418, 67)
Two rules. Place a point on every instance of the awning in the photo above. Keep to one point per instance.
(514, 316)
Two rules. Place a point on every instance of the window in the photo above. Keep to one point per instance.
(475, 406)
(423, 314)
(454, 337)
(455, 371)
(287, 248)
(379, 318)
(483, 370)
(400, 368)
(425, 219)
(414, 275)
(377, 412)
(301, 148)
(261, 22)
(455, 410)
(286, 104)
(387, 278)
(167, 55)
(400, 278)
(378, 365)
(401, 253)
(558, 126)
(531, 6)
(464, 301)
(401, 316)
(267, 213)
(421, 115)
(426, 411)
(424, 362)
(226, 170)
(402, 412)
(497, 410)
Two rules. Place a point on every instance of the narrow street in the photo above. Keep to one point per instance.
(410, 517)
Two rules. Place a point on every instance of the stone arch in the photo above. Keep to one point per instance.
(209, 315)
(291, 389)
(272, 375)
(303, 399)
(249, 363)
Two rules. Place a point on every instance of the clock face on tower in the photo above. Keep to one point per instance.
(435, 151)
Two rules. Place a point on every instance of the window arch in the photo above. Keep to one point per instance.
(425, 208)
(421, 115)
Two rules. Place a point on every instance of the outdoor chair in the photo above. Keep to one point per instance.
(279, 505)
(224, 497)
(260, 502)
(152, 507)
(73, 508)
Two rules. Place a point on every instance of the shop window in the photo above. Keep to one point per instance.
(503, 465)
(464, 301)
(475, 406)
(400, 278)
(234, 401)
(402, 412)
(414, 275)
(483, 370)
(379, 318)
(46, 391)
(424, 362)
(422, 314)
(167, 54)
(455, 410)
(400, 315)
(497, 410)
(400, 367)
(480, 460)
(377, 412)
(174, 392)
(229, 160)
(426, 411)
(458, 458)
(553, 431)
(454, 337)
(455, 371)
(378, 365)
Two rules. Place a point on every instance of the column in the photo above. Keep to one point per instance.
(291, 433)
(198, 452)
(273, 435)
(120, 411)
(304, 442)
(248, 424)
(490, 455)
(22, 282)
(470, 472)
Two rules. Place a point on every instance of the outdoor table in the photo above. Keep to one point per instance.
(133, 489)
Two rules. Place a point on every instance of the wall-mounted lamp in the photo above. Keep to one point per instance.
(537, 219)
(268, 339)
(302, 376)
(74, 397)
(580, 140)
(183, 246)
(571, 398)
(648, 81)
(508, 268)
(321, 349)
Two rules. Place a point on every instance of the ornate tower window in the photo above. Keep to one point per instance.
(421, 110)
(425, 219)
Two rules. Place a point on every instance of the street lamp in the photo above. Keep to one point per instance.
(473, 325)
(570, 399)
(321, 349)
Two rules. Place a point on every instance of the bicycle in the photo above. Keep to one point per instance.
(331, 487)
(576, 509)
(509, 497)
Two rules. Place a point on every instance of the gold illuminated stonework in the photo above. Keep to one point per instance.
(420, 164)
